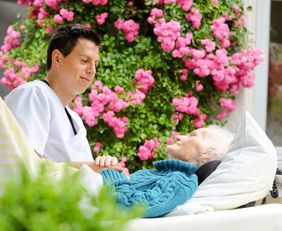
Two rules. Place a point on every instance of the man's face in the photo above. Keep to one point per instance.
(189, 147)
(77, 70)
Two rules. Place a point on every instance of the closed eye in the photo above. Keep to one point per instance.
(194, 133)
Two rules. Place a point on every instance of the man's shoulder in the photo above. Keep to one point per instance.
(27, 93)
(35, 84)
(32, 88)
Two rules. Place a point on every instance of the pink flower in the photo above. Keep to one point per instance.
(183, 77)
(101, 18)
(144, 153)
(209, 45)
(58, 19)
(175, 134)
(170, 141)
(89, 116)
(123, 161)
(130, 3)
(52, 3)
(155, 15)
(3, 59)
(68, 15)
(228, 104)
(87, 25)
(103, 2)
(221, 115)
(129, 27)
(185, 4)
(119, 24)
(177, 117)
(184, 71)
(195, 18)
(119, 89)
(221, 31)
(167, 34)
(198, 122)
(41, 15)
(97, 147)
(143, 80)
(117, 124)
(11, 39)
(187, 104)
(78, 105)
(214, 2)
(199, 86)
(135, 98)
(147, 150)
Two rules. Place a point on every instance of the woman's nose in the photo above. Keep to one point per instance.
(178, 138)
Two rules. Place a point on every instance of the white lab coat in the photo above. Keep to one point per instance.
(45, 123)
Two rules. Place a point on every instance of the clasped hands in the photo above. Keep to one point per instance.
(100, 163)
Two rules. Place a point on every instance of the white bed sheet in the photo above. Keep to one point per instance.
(260, 218)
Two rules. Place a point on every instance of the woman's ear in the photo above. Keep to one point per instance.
(207, 155)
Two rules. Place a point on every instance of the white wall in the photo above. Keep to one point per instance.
(255, 99)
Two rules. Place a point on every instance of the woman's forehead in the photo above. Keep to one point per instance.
(206, 132)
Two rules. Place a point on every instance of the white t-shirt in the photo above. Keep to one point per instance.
(46, 125)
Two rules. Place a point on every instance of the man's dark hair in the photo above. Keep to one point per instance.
(65, 38)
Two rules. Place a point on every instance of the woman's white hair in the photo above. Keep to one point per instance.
(216, 145)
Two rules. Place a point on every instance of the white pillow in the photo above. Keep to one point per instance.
(246, 173)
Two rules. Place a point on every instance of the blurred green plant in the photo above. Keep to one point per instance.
(44, 204)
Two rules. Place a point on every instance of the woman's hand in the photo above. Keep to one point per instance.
(100, 163)
(105, 162)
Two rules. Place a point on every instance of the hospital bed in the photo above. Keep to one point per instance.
(252, 148)
(259, 218)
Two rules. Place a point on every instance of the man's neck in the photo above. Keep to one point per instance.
(59, 90)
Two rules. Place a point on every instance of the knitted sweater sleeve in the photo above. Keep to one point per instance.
(170, 184)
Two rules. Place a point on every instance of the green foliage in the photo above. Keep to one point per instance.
(120, 60)
(42, 203)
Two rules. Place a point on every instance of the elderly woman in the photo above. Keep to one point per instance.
(193, 157)
(204, 146)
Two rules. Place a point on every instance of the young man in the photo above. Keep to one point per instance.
(52, 129)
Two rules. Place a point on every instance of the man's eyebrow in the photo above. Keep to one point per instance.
(84, 55)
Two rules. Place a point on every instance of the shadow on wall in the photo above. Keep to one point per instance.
(8, 16)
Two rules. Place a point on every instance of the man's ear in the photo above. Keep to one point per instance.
(56, 57)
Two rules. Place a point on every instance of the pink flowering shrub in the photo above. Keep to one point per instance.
(167, 67)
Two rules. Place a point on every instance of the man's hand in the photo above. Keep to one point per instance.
(100, 163)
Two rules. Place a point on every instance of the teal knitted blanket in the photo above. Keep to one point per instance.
(162, 189)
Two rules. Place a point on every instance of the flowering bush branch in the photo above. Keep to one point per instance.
(166, 65)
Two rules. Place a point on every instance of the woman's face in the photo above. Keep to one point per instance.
(189, 147)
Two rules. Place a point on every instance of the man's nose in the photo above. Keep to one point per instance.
(91, 70)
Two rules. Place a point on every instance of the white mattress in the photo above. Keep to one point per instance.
(260, 218)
